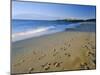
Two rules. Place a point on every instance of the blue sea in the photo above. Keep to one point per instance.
(23, 29)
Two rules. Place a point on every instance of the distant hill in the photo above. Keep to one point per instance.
(66, 20)
(90, 20)
(79, 20)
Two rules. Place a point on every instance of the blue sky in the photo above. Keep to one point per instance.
(48, 11)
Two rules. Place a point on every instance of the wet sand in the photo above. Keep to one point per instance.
(61, 51)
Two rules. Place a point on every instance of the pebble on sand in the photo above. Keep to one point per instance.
(65, 49)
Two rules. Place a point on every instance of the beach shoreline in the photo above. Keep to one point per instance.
(61, 37)
(45, 31)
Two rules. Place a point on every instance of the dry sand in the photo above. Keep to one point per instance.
(56, 52)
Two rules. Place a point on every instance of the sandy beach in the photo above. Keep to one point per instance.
(68, 50)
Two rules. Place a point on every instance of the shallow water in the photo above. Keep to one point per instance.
(22, 29)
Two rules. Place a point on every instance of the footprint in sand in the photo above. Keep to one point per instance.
(63, 48)
(57, 64)
(31, 69)
(54, 49)
(69, 45)
(65, 53)
(55, 53)
(91, 53)
(85, 46)
(68, 54)
(46, 66)
(93, 47)
(93, 59)
(84, 66)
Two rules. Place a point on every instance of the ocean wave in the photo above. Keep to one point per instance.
(41, 31)
(35, 31)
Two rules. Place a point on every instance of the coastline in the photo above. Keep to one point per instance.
(35, 33)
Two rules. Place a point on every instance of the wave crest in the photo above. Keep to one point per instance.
(38, 30)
